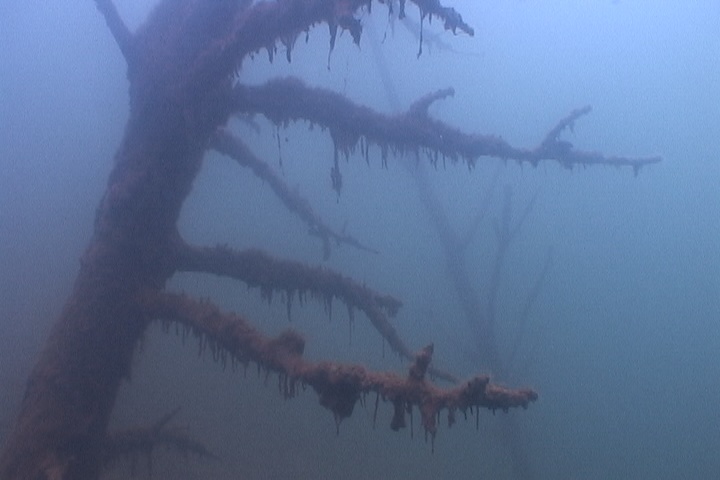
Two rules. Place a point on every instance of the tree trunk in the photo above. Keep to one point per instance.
(72, 389)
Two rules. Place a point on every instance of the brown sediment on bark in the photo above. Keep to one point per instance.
(339, 386)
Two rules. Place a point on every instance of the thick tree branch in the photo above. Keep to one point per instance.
(263, 24)
(230, 145)
(258, 269)
(266, 23)
(339, 386)
(289, 99)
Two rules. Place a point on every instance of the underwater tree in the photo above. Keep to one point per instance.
(182, 65)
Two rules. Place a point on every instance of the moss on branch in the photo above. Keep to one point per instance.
(286, 100)
(339, 386)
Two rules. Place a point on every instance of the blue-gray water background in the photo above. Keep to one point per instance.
(623, 343)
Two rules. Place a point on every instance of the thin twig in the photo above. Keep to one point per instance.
(119, 30)
(227, 143)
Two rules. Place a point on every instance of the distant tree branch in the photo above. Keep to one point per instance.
(142, 441)
(482, 208)
(524, 315)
